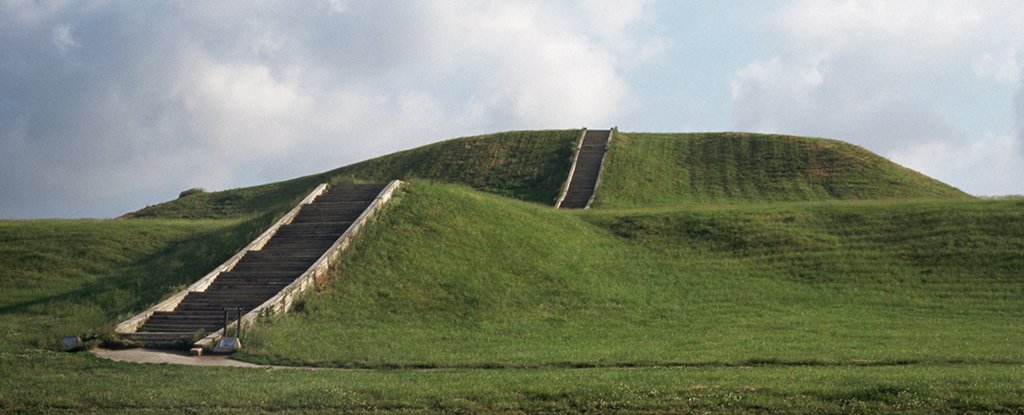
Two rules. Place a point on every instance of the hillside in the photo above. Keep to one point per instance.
(455, 278)
(642, 170)
(646, 170)
(825, 307)
(80, 276)
(733, 273)
(527, 165)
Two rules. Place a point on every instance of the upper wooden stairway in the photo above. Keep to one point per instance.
(586, 170)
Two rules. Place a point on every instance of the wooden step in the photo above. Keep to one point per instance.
(587, 169)
(261, 274)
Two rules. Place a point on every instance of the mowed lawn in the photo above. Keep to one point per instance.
(644, 170)
(572, 312)
(52, 382)
(455, 278)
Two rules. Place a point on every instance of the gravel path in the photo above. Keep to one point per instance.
(169, 356)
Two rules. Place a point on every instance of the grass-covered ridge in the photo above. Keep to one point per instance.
(455, 278)
(646, 170)
(527, 165)
(642, 170)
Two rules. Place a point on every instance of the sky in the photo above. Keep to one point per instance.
(109, 106)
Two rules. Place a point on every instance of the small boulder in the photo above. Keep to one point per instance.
(71, 343)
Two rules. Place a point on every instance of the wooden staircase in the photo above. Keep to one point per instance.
(261, 274)
(586, 170)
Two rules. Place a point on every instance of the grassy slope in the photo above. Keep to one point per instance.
(646, 170)
(273, 198)
(771, 287)
(527, 165)
(78, 277)
(643, 170)
(35, 380)
(456, 278)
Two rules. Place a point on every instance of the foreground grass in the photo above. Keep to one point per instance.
(646, 170)
(740, 329)
(455, 278)
(91, 385)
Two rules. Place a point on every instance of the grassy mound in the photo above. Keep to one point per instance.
(646, 170)
(527, 165)
(451, 277)
(736, 282)
(642, 170)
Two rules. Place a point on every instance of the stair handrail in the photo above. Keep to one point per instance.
(132, 324)
(572, 169)
(600, 168)
(283, 300)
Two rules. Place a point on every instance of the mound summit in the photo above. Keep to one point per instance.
(642, 170)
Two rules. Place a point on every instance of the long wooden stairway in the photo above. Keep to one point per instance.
(261, 274)
(586, 170)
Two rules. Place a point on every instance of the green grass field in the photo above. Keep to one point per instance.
(455, 278)
(716, 296)
(87, 384)
(649, 170)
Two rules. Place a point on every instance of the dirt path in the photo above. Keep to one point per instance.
(170, 356)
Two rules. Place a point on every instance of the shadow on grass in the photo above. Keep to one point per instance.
(755, 362)
(138, 285)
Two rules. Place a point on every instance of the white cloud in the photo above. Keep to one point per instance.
(63, 39)
(337, 6)
(1005, 67)
(167, 96)
(535, 65)
(1019, 100)
(989, 165)
(30, 12)
(867, 72)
